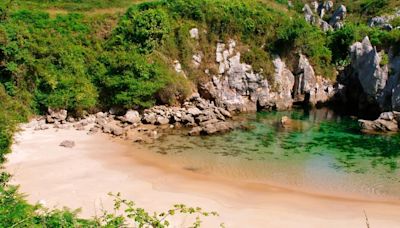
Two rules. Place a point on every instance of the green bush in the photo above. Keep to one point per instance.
(130, 81)
(145, 28)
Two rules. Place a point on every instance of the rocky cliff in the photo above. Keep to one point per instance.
(237, 87)
(369, 86)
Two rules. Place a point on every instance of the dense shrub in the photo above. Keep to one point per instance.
(145, 28)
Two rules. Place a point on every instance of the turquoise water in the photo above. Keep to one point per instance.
(321, 152)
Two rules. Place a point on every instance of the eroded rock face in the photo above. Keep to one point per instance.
(338, 17)
(308, 13)
(366, 81)
(365, 62)
(239, 88)
(310, 88)
(284, 83)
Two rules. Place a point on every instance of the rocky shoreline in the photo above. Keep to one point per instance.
(196, 116)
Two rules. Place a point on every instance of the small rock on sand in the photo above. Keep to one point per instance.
(67, 143)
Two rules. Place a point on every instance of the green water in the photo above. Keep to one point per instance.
(322, 152)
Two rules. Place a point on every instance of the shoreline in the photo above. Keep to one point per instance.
(100, 164)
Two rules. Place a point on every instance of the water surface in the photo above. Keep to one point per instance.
(322, 152)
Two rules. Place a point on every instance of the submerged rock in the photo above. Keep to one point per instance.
(285, 121)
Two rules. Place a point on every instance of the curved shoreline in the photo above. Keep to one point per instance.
(82, 176)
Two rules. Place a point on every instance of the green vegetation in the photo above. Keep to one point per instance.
(86, 56)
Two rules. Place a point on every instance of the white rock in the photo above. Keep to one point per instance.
(194, 33)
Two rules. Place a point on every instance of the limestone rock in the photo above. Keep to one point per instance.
(365, 62)
(338, 16)
(194, 33)
(308, 13)
(132, 117)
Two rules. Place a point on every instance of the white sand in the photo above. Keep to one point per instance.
(82, 177)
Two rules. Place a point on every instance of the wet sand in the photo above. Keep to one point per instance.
(82, 176)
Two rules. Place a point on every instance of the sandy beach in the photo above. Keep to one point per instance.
(98, 164)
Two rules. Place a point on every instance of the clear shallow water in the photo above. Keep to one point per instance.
(322, 152)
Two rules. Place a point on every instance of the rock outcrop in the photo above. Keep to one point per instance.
(238, 88)
(321, 9)
(368, 87)
(365, 61)
(338, 17)
(384, 22)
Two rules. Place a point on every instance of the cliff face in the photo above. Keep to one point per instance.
(368, 85)
(238, 88)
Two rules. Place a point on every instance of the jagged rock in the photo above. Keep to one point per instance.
(338, 16)
(308, 14)
(377, 21)
(194, 33)
(328, 5)
(305, 80)
(396, 98)
(324, 26)
(387, 27)
(67, 144)
(197, 58)
(240, 89)
(315, 6)
(177, 66)
(284, 82)
(365, 61)
(389, 116)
